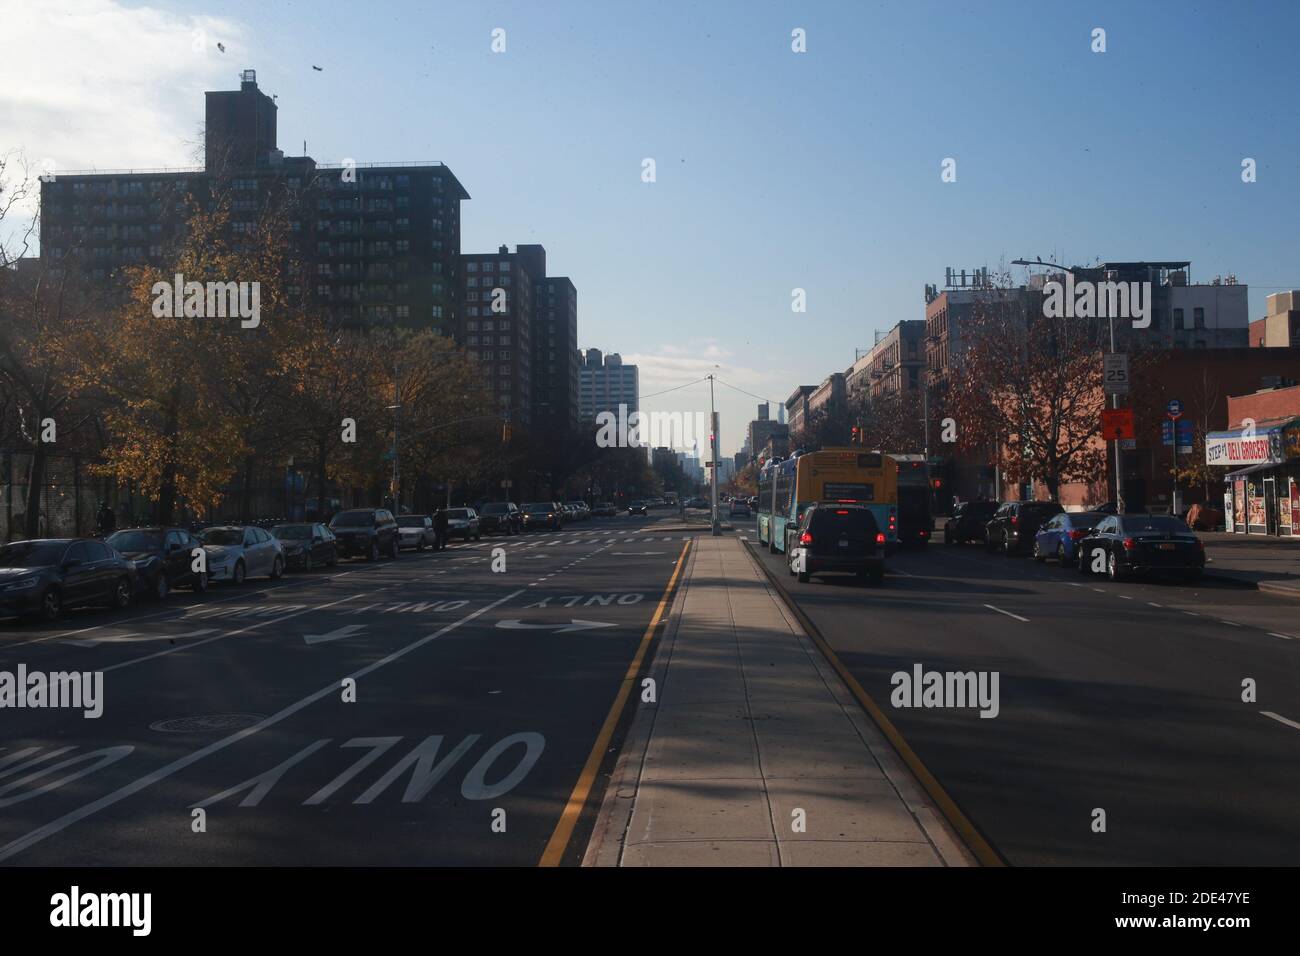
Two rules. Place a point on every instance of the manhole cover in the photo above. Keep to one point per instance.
(205, 723)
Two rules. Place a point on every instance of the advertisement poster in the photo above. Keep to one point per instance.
(1254, 508)
(1284, 514)
(1295, 506)
(1239, 506)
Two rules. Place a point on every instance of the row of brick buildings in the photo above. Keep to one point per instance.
(380, 245)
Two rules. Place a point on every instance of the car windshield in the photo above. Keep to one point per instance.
(1040, 509)
(458, 514)
(538, 506)
(30, 554)
(353, 519)
(853, 520)
(495, 508)
(136, 540)
(411, 521)
(1161, 524)
(292, 532)
(223, 536)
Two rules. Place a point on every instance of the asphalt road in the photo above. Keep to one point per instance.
(478, 699)
(1122, 697)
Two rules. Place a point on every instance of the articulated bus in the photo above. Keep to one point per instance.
(840, 475)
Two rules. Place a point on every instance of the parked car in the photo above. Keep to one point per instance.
(581, 510)
(542, 514)
(163, 559)
(43, 576)
(1143, 544)
(969, 521)
(463, 523)
(637, 508)
(416, 531)
(1011, 530)
(739, 508)
(836, 538)
(915, 522)
(236, 552)
(605, 509)
(306, 545)
(367, 532)
(500, 516)
(1058, 537)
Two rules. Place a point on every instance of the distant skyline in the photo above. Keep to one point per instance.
(775, 170)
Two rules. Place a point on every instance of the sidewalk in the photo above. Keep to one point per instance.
(752, 725)
(1271, 564)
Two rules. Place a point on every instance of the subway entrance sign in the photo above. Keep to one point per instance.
(1117, 424)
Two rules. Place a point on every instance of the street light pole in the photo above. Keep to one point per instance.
(713, 472)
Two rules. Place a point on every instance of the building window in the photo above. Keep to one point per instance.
(1178, 319)
(1198, 316)
(471, 267)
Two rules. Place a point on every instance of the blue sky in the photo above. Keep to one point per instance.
(775, 170)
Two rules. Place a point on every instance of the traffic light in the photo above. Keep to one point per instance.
(857, 435)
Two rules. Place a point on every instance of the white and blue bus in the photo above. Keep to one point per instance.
(839, 475)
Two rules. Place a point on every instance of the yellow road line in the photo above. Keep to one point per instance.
(979, 847)
(559, 840)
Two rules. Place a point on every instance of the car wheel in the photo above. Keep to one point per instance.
(1006, 544)
(949, 538)
(373, 554)
(240, 572)
(420, 545)
(122, 594)
(1038, 552)
(200, 584)
(161, 587)
(478, 537)
(1060, 554)
(1112, 568)
(306, 561)
(51, 605)
(392, 551)
(277, 568)
(1083, 565)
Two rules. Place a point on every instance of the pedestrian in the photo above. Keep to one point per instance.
(105, 520)
(440, 529)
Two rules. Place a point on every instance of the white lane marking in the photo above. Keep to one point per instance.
(1230, 623)
(1280, 719)
(1191, 614)
(1007, 613)
(1123, 597)
(75, 816)
(1154, 604)
(1073, 584)
(1100, 590)
(219, 637)
(1285, 637)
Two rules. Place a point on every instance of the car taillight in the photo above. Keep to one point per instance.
(1129, 544)
(1077, 534)
(841, 512)
(1014, 519)
(1200, 545)
(805, 538)
(880, 537)
(924, 532)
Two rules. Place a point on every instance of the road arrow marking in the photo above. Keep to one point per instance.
(347, 630)
(575, 625)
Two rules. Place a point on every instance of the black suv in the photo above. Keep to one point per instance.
(43, 576)
(368, 532)
(969, 521)
(500, 516)
(835, 537)
(1012, 529)
(163, 559)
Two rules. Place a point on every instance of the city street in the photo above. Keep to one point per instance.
(1125, 697)
(479, 697)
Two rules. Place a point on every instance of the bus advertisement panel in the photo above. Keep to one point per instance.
(841, 475)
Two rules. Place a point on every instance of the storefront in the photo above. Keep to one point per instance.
(1261, 494)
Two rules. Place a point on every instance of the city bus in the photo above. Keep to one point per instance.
(839, 475)
(915, 520)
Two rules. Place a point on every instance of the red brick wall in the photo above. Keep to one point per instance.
(1261, 406)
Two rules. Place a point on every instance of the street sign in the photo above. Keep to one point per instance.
(1128, 444)
(507, 483)
(1167, 432)
(1186, 441)
(1174, 409)
(1117, 423)
(1115, 373)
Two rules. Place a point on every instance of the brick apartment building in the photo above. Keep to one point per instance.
(379, 242)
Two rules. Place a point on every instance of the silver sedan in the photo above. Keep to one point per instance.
(239, 551)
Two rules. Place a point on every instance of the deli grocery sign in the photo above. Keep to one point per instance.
(1259, 449)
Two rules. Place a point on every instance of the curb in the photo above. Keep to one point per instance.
(605, 845)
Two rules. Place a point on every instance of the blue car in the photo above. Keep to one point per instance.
(1058, 537)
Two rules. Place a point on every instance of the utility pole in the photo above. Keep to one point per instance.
(713, 472)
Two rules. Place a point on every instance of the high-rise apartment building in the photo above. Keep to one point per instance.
(604, 383)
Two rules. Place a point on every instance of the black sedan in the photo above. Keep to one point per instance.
(500, 517)
(163, 558)
(46, 575)
(1125, 545)
(542, 514)
(968, 521)
(636, 508)
(307, 546)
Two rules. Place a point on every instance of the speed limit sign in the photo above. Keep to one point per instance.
(1115, 373)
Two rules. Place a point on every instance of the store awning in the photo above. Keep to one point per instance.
(1243, 472)
(1266, 443)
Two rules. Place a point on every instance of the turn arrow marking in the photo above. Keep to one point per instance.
(561, 628)
(347, 630)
